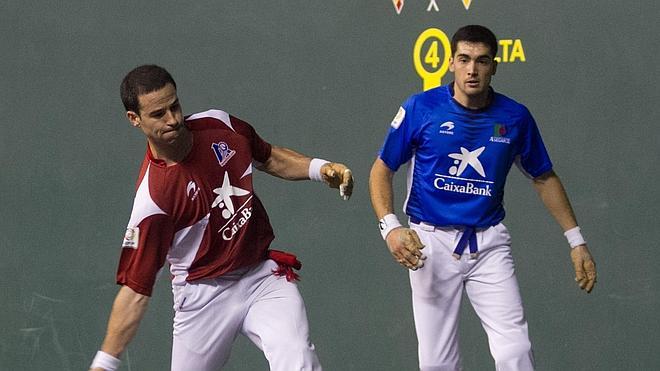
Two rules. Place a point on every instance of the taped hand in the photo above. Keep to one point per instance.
(405, 246)
(337, 175)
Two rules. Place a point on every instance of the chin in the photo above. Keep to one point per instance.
(170, 138)
(475, 91)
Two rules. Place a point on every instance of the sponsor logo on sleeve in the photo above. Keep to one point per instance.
(398, 119)
(131, 238)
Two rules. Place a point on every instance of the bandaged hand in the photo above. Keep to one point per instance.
(337, 175)
(405, 246)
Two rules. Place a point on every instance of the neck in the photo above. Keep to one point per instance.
(173, 152)
(478, 101)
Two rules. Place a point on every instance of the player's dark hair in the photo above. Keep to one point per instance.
(143, 80)
(475, 34)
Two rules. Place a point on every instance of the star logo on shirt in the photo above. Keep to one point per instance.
(225, 192)
(465, 158)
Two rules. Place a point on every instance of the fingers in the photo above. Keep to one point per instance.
(585, 268)
(413, 263)
(580, 276)
(416, 240)
(405, 247)
(339, 176)
(346, 186)
(590, 269)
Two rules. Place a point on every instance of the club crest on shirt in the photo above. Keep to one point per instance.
(499, 134)
(398, 119)
(131, 238)
(222, 152)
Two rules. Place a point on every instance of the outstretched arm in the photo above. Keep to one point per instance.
(127, 312)
(552, 194)
(288, 164)
(403, 243)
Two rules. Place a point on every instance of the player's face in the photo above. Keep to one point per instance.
(473, 68)
(160, 116)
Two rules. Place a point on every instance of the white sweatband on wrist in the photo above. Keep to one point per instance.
(574, 237)
(315, 169)
(389, 222)
(105, 361)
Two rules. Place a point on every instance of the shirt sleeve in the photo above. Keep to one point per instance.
(259, 147)
(401, 138)
(533, 157)
(140, 261)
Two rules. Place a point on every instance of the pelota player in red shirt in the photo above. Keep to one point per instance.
(195, 208)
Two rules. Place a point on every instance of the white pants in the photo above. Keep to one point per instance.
(492, 288)
(266, 308)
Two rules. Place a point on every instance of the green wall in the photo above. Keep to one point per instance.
(325, 78)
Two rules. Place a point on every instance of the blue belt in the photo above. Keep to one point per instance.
(469, 238)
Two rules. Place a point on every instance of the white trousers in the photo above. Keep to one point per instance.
(492, 288)
(209, 315)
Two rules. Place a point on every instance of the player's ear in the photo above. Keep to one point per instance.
(451, 64)
(133, 118)
(494, 67)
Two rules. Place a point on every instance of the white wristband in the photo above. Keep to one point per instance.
(574, 237)
(389, 222)
(105, 361)
(315, 169)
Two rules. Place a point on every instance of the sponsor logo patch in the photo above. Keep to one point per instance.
(465, 158)
(131, 238)
(222, 152)
(398, 119)
(453, 182)
(192, 190)
(236, 217)
(499, 134)
(447, 128)
(230, 230)
(442, 183)
(225, 193)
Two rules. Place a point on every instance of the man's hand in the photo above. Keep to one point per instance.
(405, 246)
(338, 176)
(585, 267)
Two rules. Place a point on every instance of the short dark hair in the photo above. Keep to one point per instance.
(475, 34)
(143, 80)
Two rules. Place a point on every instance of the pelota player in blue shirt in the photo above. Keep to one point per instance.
(461, 140)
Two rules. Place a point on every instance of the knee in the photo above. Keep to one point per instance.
(293, 355)
(515, 357)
